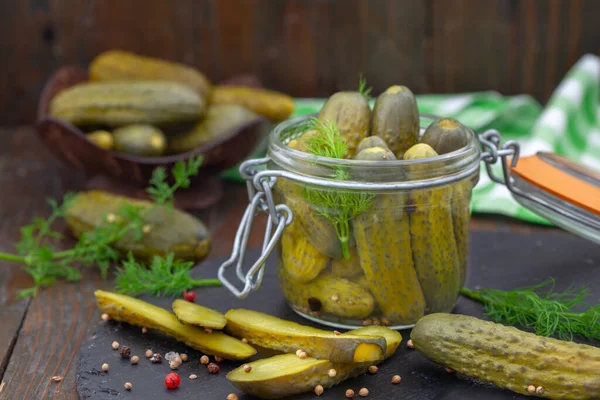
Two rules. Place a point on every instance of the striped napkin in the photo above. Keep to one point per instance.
(568, 125)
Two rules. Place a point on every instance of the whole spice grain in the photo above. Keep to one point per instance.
(337, 333)
(335, 298)
(349, 393)
(332, 373)
(204, 360)
(144, 329)
(135, 360)
(156, 358)
(373, 369)
(232, 396)
(302, 355)
(218, 359)
(213, 368)
(128, 386)
(319, 390)
(125, 351)
(183, 357)
(410, 344)
(449, 370)
(172, 380)
(207, 330)
(364, 392)
(105, 367)
(189, 296)
(105, 317)
(146, 229)
(244, 340)
(56, 378)
(173, 364)
(396, 379)
(247, 368)
(539, 390)
(115, 345)
(531, 389)
(193, 376)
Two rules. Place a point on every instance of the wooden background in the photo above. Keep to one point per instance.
(305, 47)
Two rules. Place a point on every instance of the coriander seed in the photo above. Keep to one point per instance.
(135, 360)
(247, 368)
(319, 390)
(218, 359)
(174, 364)
(244, 340)
(193, 376)
(302, 355)
(364, 392)
(531, 389)
(105, 317)
(396, 379)
(183, 357)
(332, 373)
(115, 345)
(349, 393)
(539, 390)
(204, 360)
(148, 353)
(105, 367)
(232, 396)
(373, 369)
(128, 386)
(144, 329)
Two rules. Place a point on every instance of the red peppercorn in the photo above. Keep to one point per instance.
(189, 296)
(172, 380)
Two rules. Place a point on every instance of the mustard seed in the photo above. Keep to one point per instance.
(144, 329)
(332, 373)
(531, 389)
(373, 369)
(364, 392)
(218, 359)
(105, 367)
(319, 390)
(247, 368)
(183, 357)
(204, 360)
(128, 385)
(135, 360)
(115, 345)
(244, 340)
(539, 390)
(396, 379)
(105, 317)
(349, 393)
(302, 355)
(149, 353)
(232, 396)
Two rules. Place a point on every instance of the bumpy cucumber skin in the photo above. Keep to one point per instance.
(140, 140)
(260, 329)
(346, 268)
(446, 135)
(102, 139)
(317, 229)
(274, 105)
(140, 313)
(375, 154)
(352, 301)
(434, 249)
(461, 216)
(383, 243)
(301, 260)
(314, 373)
(371, 141)
(352, 115)
(172, 230)
(396, 119)
(509, 358)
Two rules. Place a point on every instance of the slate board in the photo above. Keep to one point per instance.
(498, 260)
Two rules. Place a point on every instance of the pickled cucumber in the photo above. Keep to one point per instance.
(140, 313)
(446, 135)
(287, 336)
(171, 230)
(461, 216)
(330, 295)
(301, 260)
(102, 139)
(509, 358)
(375, 154)
(383, 243)
(352, 115)
(195, 314)
(317, 229)
(419, 151)
(432, 241)
(346, 268)
(371, 141)
(396, 119)
(301, 143)
(140, 140)
(287, 375)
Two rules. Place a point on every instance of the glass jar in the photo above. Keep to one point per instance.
(360, 242)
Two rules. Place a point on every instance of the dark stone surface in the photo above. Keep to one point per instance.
(498, 260)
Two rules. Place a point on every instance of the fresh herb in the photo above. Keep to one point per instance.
(164, 276)
(46, 265)
(337, 206)
(363, 89)
(541, 309)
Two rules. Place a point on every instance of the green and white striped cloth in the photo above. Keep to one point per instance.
(569, 125)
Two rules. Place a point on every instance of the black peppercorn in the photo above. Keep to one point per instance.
(125, 351)
(156, 358)
(314, 304)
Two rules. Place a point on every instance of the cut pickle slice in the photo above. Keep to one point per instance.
(267, 331)
(138, 312)
(288, 375)
(195, 314)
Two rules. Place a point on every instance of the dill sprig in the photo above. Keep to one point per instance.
(46, 265)
(541, 309)
(336, 206)
(362, 87)
(165, 276)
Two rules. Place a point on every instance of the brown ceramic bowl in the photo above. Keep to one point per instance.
(69, 143)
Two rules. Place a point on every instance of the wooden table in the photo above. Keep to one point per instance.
(41, 337)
